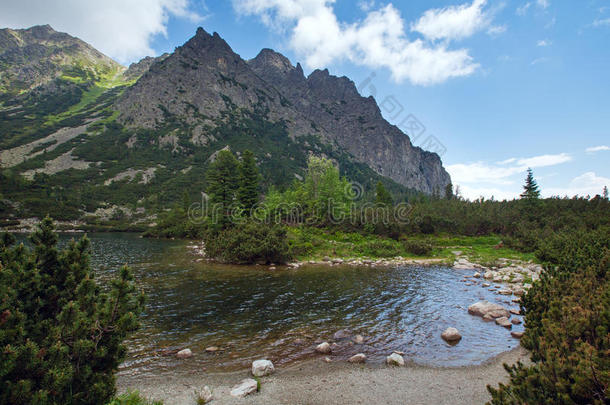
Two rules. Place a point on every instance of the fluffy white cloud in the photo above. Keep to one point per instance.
(522, 10)
(499, 180)
(378, 41)
(594, 149)
(544, 42)
(586, 184)
(454, 22)
(122, 29)
(543, 3)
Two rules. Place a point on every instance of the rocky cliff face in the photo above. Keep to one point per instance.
(204, 80)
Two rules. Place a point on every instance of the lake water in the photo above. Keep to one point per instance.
(252, 312)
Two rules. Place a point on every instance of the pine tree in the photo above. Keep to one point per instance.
(605, 192)
(248, 181)
(61, 336)
(449, 191)
(531, 190)
(383, 197)
(223, 182)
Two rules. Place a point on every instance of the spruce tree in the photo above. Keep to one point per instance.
(223, 182)
(531, 190)
(605, 192)
(383, 196)
(61, 336)
(248, 181)
(449, 191)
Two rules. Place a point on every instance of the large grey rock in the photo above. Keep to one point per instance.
(395, 359)
(504, 321)
(357, 358)
(245, 387)
(261, 368)
(488, 310)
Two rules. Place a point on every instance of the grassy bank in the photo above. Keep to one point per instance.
(315, 244)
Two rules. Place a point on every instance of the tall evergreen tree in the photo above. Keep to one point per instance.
(531, 190)
(605, 192)
(383, 196)
(248, 181)
(223, 182)
(449, 191)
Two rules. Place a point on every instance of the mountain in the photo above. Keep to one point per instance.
(38, 55)
(83, 138)
(205, 78)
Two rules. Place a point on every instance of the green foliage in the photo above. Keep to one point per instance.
(223, 182)
(530, 189)
(248, 181)
(418, 247)
(133, 398)
(568, 326)
(383, 197)
(62, 336)
(449, 191)
(248, 242)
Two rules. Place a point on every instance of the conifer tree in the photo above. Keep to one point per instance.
(62, 336)
(449, 191)
(383, 197)
(223, 182)
(531, 190)
(248, 181)
(605, 192)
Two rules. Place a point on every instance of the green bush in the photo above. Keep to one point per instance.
(62, 336)
(133, 398)
(380, 248)
(248, 242)
(567, 314)
(417, 247)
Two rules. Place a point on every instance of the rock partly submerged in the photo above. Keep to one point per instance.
(488, 310)
(451, 335)
(357, 358)
(395, 359)
(323, 348)
(184, 354)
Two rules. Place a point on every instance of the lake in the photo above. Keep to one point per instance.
(251, 312)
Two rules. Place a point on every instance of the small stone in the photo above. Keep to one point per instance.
(299, 341)
(505, 292)
(205, 394)
(515, 311)
(358, 339)
(326, 259)
(399, 352)
(212, 349)
(327, 359)
(451, 335)
(395, 359)
(516, 335)
(486, 285)
(271, 267)
(323, 348)
(261, 368)
(504, 321)
(337, 261)
(476, 275)
(342, 334)
(515, 321)
(245, 387)
(357, 358)
(184, 354)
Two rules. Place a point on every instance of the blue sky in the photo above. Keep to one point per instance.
(498, 85)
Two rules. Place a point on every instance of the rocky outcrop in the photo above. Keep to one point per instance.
(203, 82)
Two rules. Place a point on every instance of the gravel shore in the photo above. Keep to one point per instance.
(316, 382)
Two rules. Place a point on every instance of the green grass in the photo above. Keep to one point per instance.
(133, 398)
(315, 244)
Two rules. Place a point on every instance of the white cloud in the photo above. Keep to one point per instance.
(543, 3)
(594, 149)
(601, 22)
(496, 29)
(122, 29)
(378, 41)
(523, 9)
(544, 42)
(453, 22)
(586, 184)
(498, 180)
(539, 60)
